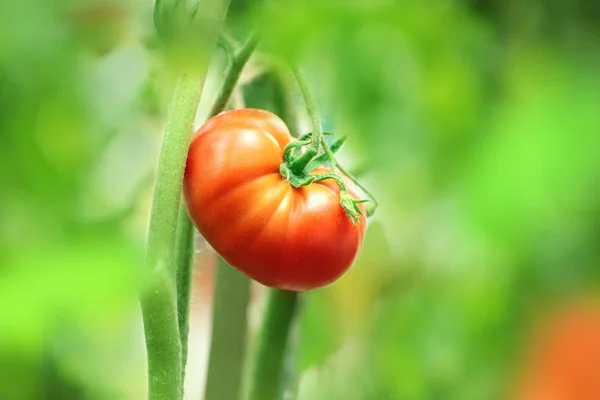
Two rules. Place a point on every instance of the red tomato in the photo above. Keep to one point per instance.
(283, 237)
(564, 363)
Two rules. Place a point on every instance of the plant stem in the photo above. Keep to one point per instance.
(229, 328)
(289, 379)
(284, 100)
(159, 302)
(370, 210)
(169, 176)
(162, 338)
(315, 118)
(330, 155)
(159, 298)
(228, 43)
(184, 258)
(233, 73)
(269, 361)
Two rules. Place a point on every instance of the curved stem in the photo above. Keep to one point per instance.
(228, 341)
(284, 99)
(344, 171)
(228, 43)
(330, 155)
(348, 203)
(159, 297)
(273, 338)
(315, 118)
(159, 302)
(334, 176)
(184, 257)
(233, 73)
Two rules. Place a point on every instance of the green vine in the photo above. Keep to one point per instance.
(184, 259)
(267, 371)
(159, 300)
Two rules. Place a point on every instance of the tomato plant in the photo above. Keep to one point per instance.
(292, 238)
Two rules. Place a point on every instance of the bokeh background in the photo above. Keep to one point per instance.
(475, 123)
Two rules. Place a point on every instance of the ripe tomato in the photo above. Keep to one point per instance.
(564, 363)
(283, 237)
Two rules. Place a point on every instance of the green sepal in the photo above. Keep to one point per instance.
(350, 205)
(323, 158)
(294, 180)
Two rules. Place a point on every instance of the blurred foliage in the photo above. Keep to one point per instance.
(475, 123)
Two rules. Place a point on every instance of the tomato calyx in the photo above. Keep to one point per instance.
(348, 203)
(297, 169)
(297, 165)
(294, 179)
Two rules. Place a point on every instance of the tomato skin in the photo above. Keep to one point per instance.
(283, 237)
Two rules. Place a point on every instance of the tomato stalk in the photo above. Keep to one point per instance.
(229, 334)
(159, 302)
(184, 258)
(269, 361)
(159, 297)
(238, 61)
(284, 99)
(298, 165)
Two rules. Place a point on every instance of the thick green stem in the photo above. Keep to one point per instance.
(159, 301)
(162, 338)
(229, 328)
(300, 163)
(273, 338)
(169, 176)
(184, 257)
(159, 298)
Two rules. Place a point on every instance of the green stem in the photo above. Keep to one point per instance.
(184, 257)
(330, 155)
(284, 100)
(370, 210)
(169, 176)
(233, 73)
(162, 338)
(273, 338)
(315, 117)
(159, 302)
(348, 203)
(228, 43)
(290, 380)
(229, 328)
